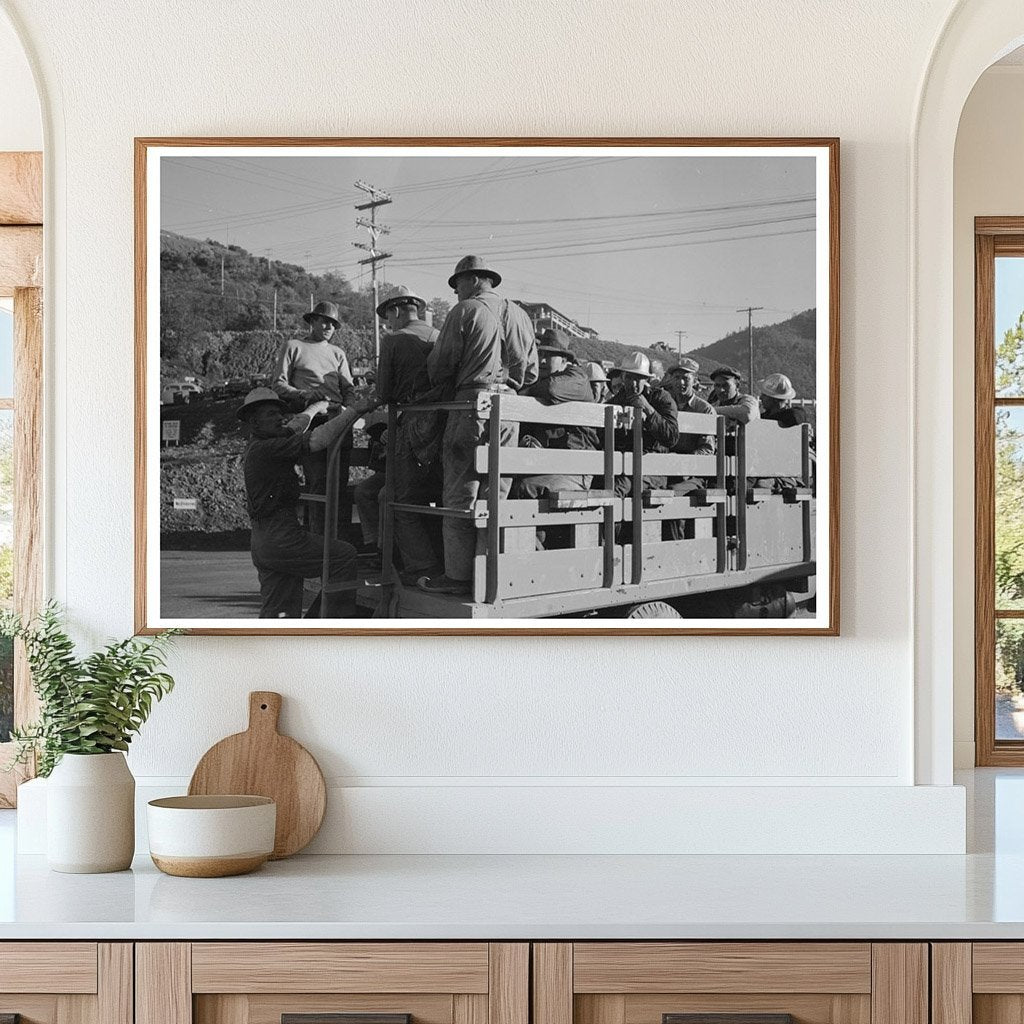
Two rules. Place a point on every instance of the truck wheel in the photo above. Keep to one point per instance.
(651, 610)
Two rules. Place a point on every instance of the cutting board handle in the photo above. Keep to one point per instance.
(264, 710)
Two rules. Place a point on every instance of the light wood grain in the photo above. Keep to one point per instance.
(76, 1010)
(998, 1009)
(163, 983)
(721, 967)
(262, 762)
(605, 1009)
(66, 967)
(951, 983)
(805, 1008)
(21, 188)
(469, 1009)
(268, 1008)
(115, 1002)
(552, 983)
(21, 259)
(34, 1009)
(227, 1009)
(998, 967)
(509, 983)
(28, 483)
(899, 973)
(339, 967)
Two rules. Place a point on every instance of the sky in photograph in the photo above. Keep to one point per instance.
(636, 247)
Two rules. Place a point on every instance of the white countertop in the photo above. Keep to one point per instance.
(516, 897)
(977, 896)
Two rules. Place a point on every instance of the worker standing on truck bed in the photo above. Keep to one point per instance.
(283, 552)
(467, 360)
(308, 370)
(727, 398)
(402, 378)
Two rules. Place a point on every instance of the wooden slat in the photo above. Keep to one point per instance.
(339, 967)
(21, 259)
(721, 967)
(998, 967)
(468, 1009)
(66, 967)
(163, 983)
(516, 409)
(28, 483)
(552, 983)
(115, 983)
(537, 461)
(999, 225)
(951, 983)
(21, 188)
(268, 1008)
(669, 464)
(984, 502)
(508, 994)
(899, 983)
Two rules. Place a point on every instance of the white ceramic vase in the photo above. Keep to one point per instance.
(90, 814)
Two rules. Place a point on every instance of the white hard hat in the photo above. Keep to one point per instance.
(596, 372)
(778, 385)
(635, 363)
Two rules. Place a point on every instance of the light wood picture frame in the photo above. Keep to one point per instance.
(622, 247)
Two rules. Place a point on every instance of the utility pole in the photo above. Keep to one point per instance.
(378, 197)
(275, 309)
(222, 273)
(750, 311)
(679, 341)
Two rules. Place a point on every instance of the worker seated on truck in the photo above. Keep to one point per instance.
(283, 552)
(777, 395)
(599, 384)
(728, 400)
(654, 405)
(561, 380)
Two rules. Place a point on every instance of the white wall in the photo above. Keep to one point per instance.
(429, 716)
(987, 182)
(21, 127)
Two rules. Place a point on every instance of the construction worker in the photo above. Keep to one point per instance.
(283, 553)
(403, 378)
(727, 398)
(599, 386)
(465, 361)
(656, 409)
(562, 380)
(777, 394)
(657, 370)
(308, 370)
(518, 347)
(680, 383)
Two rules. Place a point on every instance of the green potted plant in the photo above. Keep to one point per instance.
(89, 710)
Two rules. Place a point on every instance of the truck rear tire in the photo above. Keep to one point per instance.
(651, 610)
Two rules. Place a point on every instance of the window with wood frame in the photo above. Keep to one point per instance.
(21, 364)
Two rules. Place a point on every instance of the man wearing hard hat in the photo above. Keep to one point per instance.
(402, 378)
(777, 394)
(283, 552)
(654, 405)
(598, 382)
(465, 361)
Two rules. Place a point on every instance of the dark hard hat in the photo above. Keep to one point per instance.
(328, 310)
(474, 265)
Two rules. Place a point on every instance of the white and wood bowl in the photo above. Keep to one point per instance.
(211, 836)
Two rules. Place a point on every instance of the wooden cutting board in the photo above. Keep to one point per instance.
(262, 762)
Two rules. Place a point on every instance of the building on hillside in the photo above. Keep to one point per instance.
(544, 317)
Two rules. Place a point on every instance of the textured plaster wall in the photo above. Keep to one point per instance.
(812, 711)
(989, 155)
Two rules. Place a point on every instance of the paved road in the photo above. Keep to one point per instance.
(208, 585)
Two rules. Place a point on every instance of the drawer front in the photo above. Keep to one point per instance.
(332, 983)
(64, 967)
(66, 982)
(730, 983)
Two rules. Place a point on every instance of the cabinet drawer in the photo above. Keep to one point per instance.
(730, 983)
(65, 967)
(332, 983)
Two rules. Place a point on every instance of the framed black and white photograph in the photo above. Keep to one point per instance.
(444, 386)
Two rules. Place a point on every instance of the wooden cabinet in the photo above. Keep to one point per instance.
(308, 982)
(979, 982)
(664, 982)
(66, 982)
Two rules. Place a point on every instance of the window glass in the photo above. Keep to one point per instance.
(1009, 679)
(6, 353)
(1009, 511)
(6, 568)
(1009, 321)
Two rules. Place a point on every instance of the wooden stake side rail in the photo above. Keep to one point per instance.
(619, 546)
